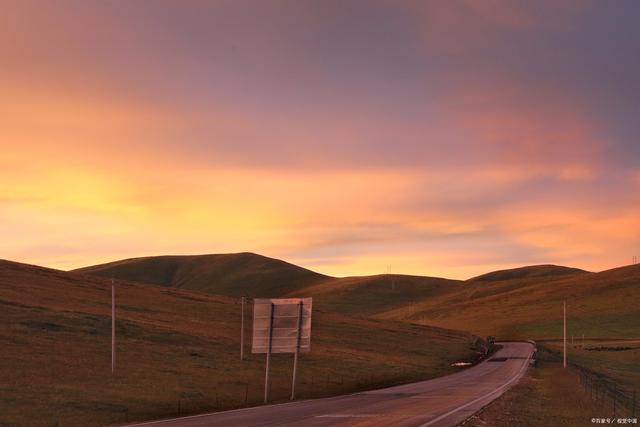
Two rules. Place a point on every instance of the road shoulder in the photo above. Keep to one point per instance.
(545, 396)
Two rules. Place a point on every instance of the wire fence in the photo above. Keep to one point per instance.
(600, 387)
(244, 394)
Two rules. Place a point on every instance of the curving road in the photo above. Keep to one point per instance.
(444, 401)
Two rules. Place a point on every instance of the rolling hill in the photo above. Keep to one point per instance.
(517, 303)
(248, 274)
(178, 348)
(369, 295)
(178, 352)
(224, 274)
(598, 305)
(532, 271)
(258, 276)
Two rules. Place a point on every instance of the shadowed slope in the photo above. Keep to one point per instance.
(225, 274)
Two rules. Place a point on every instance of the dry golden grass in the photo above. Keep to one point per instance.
(240, 274)
(547, 396)
(623, 366)
(178, 352)
(598, 305)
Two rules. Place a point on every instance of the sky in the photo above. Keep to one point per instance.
(444, 138)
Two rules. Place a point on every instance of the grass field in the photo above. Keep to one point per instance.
(618, 360)
(599, 305)
(178, 352)
(178, 349)
(547, 396)
(520, 303)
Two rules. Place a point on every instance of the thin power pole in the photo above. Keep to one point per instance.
(242, 331)
(564, 359)
(113, 327)
(266, 375)
(295, 356)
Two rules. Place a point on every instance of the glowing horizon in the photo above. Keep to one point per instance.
(446, 138)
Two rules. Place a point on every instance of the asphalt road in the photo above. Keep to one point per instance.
(444, 401)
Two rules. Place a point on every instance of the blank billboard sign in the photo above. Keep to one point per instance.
(285, 316)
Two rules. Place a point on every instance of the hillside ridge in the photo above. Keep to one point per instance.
(529, 271)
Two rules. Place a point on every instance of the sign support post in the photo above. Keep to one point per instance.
(242, 331)
(281, 325)
(564, 347)
(113, 327)
(295, 356)
(266, 375)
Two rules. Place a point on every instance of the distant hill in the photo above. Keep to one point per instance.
(538, 271)
(598, 305)
(517, 303)
(368, 295)
(259, 276)
(225, 274)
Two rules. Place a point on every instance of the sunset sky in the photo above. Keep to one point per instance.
(444, 138)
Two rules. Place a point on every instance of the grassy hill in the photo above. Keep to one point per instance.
(520, 302)
(517, 303)
(258, 276)
(177, 352)
(369, 295)
(598, 305)
(225, 274)
(532, 271)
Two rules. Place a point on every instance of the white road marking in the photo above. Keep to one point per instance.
(348, 415)
(459, 408)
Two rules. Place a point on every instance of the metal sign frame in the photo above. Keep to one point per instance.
(281, 325)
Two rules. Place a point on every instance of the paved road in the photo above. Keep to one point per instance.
(444, 401)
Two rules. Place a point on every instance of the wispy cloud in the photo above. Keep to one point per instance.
(438, 137)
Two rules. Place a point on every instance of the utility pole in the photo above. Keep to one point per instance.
(564, 358)
(113, 327)
(393, 280)
(242, 330)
